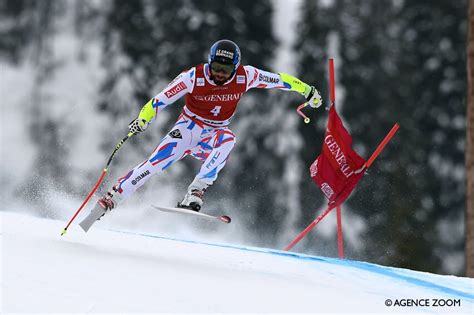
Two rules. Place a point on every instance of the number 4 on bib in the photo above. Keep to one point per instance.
(216, 110)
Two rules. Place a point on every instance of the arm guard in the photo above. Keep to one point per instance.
(295, 84)
(147, 113)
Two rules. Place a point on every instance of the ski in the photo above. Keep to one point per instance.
(220, 218)
(96, 213)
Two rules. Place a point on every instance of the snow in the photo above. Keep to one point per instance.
(111, 271)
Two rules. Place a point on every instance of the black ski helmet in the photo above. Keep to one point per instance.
(225, 51)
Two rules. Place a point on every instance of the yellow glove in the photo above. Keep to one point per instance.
(313, 97)
(137, 126)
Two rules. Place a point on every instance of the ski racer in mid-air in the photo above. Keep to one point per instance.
(212, 92)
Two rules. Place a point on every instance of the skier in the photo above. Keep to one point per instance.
(212, 92)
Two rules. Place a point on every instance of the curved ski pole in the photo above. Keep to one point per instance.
(298, 110)
(99, 181)
(117, 147)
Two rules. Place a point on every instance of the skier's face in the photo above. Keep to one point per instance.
(221, 72)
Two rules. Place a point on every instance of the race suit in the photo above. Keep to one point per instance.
(202, 128)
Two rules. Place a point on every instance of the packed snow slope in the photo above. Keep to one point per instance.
(111, 271)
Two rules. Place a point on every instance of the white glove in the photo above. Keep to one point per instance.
(138, 125)
(313, 97)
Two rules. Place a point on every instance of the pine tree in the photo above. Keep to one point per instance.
(428, 187)
(17, 30)
(470, 147)
(315, 35)
(402, 62)
(31, 27)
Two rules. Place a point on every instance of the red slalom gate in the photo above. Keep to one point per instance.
(366, 165)
(369, 162)
(340, 239)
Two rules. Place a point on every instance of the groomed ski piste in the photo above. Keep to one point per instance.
(106, 271)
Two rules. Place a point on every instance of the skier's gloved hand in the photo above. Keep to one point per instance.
(313, 97)
(138, 125)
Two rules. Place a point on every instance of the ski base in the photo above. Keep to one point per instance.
(95, 214)
(220, 218)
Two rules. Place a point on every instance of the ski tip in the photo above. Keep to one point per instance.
(225, 219)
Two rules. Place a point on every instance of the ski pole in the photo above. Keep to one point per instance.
(298, 110)
(101, 178)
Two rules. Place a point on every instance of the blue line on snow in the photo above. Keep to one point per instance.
(343, 262)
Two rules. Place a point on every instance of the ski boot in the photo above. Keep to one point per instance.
(106, 202)
(194, 197)
(104, 205)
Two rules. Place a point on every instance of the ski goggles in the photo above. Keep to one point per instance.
(222, 67)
